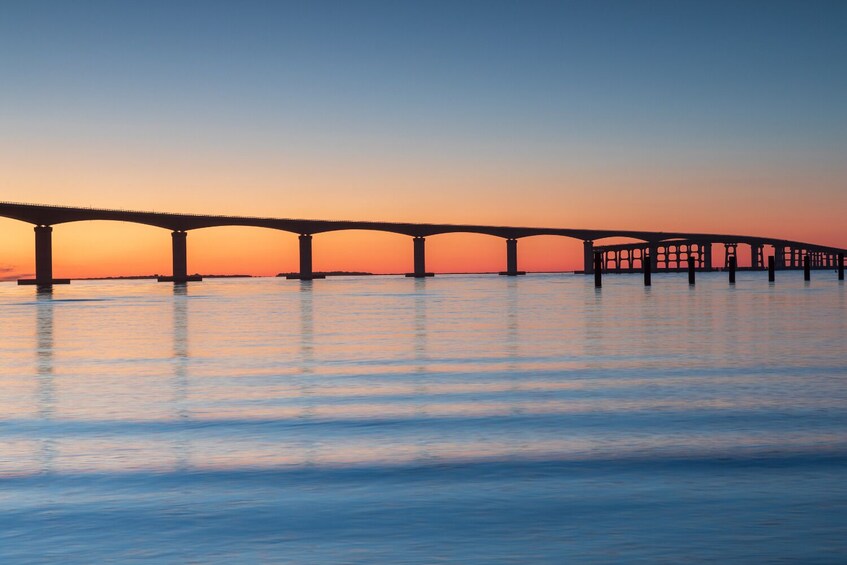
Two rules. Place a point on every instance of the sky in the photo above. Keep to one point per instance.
(713, 116)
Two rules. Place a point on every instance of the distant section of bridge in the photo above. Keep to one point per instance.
(665, 251)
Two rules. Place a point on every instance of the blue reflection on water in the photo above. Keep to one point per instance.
(460, 419)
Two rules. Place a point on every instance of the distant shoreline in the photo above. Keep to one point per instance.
(144, 277)
(282, 275)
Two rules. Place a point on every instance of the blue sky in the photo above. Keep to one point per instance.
(548, 68)
(562, 89)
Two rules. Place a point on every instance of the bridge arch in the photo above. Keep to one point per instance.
(241, 250)
(131, 249)
(464, 252)
(550, 252)
(359, 250)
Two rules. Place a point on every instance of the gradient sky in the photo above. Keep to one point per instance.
(699, 116)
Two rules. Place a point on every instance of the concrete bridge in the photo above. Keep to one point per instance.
(667, 251)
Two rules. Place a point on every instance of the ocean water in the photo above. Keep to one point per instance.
(458, 419)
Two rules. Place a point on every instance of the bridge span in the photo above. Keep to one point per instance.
(666, 251)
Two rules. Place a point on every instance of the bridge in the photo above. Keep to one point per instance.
(665, 251)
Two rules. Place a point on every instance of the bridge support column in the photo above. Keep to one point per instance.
(179, 244)
(512, 258)
(779, 258)
(756, 262)
(420, 258)
(807, 267)
(587, 257)
(305, 256)
(840, 261)
(731, 252)
(691, 265)
(653, 250)
(43, 254)
(598, 269)
(305, 273)
(43, 259)
(180, 255)
(647, 267)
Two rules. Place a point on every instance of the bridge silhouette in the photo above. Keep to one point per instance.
(664, 251)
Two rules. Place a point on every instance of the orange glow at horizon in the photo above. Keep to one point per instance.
(740, 202)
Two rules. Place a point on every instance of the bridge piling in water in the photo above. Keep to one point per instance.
(179, 249)
(43, 259)
(691, 280)
(43, 255)
(306, 273)
(807, 267)
(588, 257)
(180, 255)
(841, 266)
(733, 264)
(512, 258)
(598, 269)
(771, 269)
(647, 266)
(419, 247)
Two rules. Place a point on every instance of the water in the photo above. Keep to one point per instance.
(456, 419)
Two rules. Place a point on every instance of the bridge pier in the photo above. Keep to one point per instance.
(305, 273)
(756, 256)
(647, 267)
(420, 258)
(512, 258)
(179, 245)
(731, 253)
(43, 259)
(779, 258)
(588, 257)
(598, 269)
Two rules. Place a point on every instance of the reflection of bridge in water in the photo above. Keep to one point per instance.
(667, 251)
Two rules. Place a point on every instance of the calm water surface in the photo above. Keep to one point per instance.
(457, 419)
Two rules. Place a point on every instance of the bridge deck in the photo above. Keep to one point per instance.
(47, 215)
